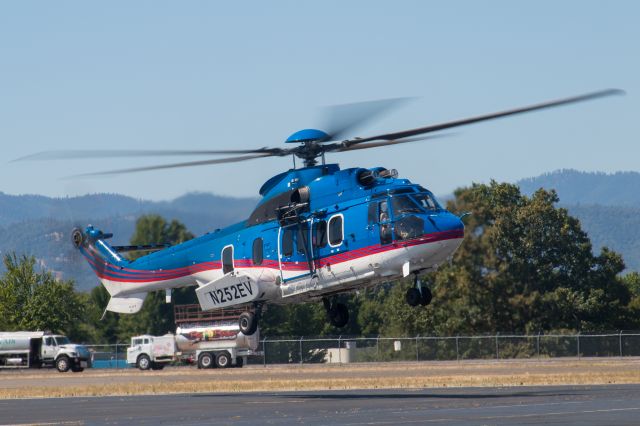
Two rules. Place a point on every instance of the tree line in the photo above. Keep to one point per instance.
(525, 266)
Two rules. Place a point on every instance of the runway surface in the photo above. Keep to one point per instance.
(573, 405)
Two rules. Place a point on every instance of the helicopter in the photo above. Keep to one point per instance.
(319, 231)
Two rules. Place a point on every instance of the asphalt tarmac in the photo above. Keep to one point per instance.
(566, 405)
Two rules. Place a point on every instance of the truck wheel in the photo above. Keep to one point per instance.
(77, 369)
(144, 363)
(223, 359)
(63, 364)
(205, 360)
(248, 323)
(157, 366)
(239, 362)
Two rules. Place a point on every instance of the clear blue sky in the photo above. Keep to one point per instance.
(215, 75)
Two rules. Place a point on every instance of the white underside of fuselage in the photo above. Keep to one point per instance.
(293, 286)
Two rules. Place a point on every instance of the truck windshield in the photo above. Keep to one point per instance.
(62, 340)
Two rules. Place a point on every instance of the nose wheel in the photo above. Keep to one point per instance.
(418, 294)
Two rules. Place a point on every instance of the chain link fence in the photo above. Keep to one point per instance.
(342, 350)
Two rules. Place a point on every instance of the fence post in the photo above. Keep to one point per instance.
(117, 366)
(578, 345)
(538, 346)
(339, 350)
(457, 350)
(497, 351)
(620, 341)
(264, 351)
(301, 337)
(417, 350)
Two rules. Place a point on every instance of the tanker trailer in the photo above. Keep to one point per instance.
(214, 344)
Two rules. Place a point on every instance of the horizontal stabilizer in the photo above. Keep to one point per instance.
(227, 291)
(126, 305)
(146, 247)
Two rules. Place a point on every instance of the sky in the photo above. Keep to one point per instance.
(242, 75)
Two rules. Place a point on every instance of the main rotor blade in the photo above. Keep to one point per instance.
(385, 143)
(338, 120)
(107, 153)
(471, 120)
(175, 165)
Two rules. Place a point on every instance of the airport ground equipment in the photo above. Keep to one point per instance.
(208, 339)
(36, 349)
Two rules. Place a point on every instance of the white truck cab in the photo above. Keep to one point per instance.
(151, 352)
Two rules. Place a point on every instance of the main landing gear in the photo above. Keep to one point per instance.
(248, 321)
(418, 294)
(337, 313)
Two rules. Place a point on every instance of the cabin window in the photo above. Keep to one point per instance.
(302, 239)
(137, 342)
(146, 341)
(320, 233)
(287, 242)
(257, 252)
(49, 341)
(335, 230)
(227, 259)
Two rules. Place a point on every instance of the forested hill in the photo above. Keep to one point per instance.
(608, 206)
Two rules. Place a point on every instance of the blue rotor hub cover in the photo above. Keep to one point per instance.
(307, 135)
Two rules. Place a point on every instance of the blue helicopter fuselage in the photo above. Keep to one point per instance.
(317, 231)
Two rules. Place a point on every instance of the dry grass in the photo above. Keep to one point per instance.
(321, 377)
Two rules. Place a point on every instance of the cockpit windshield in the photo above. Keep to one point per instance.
(403, 205)
(426, 201)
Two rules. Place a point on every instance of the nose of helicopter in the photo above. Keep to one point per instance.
(448, 222)
(446, 228)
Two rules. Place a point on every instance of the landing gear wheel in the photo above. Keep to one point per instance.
(248, 323)
(426, 296)
(144, 363)
(63, 364)
(413, 297)
(338, 315)
(205, 360)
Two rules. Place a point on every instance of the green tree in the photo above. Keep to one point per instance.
(525, 266)
(32, 300)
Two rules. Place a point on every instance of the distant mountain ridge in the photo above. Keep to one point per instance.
(608, 206)
(577, 188)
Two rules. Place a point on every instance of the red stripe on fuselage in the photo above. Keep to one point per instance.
(151, 276)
